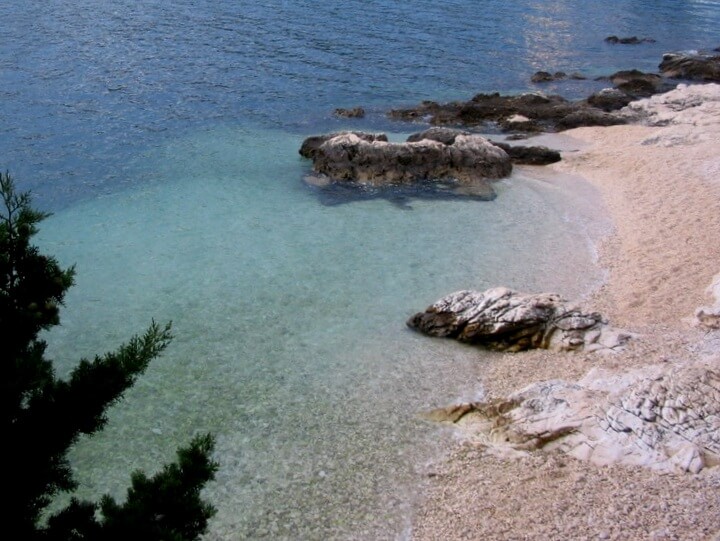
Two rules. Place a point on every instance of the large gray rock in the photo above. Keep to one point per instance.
(370, 160)
(662, 417)
(505, 320)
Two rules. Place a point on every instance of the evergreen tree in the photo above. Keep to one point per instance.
(43, 416)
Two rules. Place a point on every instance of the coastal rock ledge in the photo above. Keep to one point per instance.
(666, 418)
(505, 320)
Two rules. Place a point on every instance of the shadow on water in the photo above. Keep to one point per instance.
(401, 196)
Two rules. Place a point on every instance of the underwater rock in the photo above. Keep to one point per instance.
(505, 320)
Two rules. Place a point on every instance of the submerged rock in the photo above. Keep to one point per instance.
(505, 320)
(665, 418)
(462, 166)
(355, 112)
(632, 40)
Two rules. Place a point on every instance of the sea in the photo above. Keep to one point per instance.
(163, 137)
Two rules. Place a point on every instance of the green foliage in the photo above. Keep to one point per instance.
(42, 416)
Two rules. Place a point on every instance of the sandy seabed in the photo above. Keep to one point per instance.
(659, 180)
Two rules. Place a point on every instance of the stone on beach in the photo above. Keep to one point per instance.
(505, 320)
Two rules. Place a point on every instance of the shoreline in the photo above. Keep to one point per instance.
(660, 186)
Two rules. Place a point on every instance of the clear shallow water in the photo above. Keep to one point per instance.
(165, 140)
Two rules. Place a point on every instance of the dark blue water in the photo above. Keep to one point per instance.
(164, 136)
(85, 88)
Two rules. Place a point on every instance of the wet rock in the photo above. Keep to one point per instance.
(446, 136)
(311, 144)
(633, 40)
(461, 167)
(638, 84)
(663, 417)
(355, 112)
(529, 155)
(522, 155)
(590, 116)
(542, 112)
(505, 320)
(609, 99)
(547, 77)
(695, 67)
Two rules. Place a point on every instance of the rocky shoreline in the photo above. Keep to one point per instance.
(451, 159)
(563, 427)
(642, 420)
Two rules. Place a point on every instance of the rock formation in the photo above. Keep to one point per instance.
(632, 40)
(542, 112)
(547, 77)
(463, 167)
(505, 320)
(519, 154)
(355, 112)
(694, 109)
(694, 67)
(666, 418)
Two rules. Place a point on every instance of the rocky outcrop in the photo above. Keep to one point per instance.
(355, 112)
(666, 418)
(632, 40)
(694, 67)
(529, 155)
(694, 109)
(505, 320)
(310, 146)
(550, 113)
(462, 167)
(519, 154)
(547, 77)
(610, 99)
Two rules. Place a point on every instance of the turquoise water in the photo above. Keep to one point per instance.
(165, 140)
(289, 316)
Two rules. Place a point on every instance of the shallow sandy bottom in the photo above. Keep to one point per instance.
(661, 188)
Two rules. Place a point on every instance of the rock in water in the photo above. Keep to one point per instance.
(355, 112)
(505, 320)
(523, 155)
(464, 165)
(695, 67)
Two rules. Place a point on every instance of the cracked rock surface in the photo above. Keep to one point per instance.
(665, 418)
(505, 320)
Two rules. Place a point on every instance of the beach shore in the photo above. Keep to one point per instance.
(659, 180)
